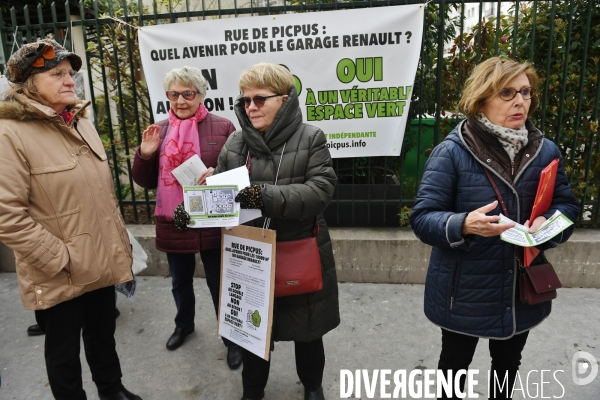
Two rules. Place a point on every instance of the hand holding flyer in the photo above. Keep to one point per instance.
(211, 206)
(189, 171)
(214, 205)
(520, 235)
(237, 176)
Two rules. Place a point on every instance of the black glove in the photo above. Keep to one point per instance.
(251, 197)
(181, 217)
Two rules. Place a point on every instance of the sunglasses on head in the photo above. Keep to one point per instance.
(187, 94)
(258, 101)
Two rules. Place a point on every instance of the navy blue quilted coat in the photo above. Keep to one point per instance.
(472, 281)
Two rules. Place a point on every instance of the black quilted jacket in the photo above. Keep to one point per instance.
(304, 188)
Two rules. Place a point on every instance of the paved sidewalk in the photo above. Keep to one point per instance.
(383, 327)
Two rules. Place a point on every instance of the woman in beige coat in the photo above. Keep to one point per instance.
(59, 214)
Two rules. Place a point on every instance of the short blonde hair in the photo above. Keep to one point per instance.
(489, 78)
(187, 76)
(27, 88)
(274, 77)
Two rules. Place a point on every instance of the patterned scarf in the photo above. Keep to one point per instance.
(181, 142)
(513, 140)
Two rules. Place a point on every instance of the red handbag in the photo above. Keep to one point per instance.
(538, 283)
(297, 262)
(298, 266)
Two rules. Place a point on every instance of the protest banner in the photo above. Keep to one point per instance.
(354, 69)
(247, 281)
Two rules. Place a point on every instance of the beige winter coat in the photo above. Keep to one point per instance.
(57, 205)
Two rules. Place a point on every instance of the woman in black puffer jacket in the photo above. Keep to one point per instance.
(271, 128)
(471, 290)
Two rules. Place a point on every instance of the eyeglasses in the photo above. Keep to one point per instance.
(258, 101)
(187, 94)
(510, 93)
(62, 74)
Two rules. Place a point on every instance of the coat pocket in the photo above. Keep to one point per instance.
(454, 279)
(62, 224)
(83, 259)
(38, 277)
(52, 168)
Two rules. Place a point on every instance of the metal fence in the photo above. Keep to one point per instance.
(559, 37)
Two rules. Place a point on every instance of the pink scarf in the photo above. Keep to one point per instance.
(181, 142)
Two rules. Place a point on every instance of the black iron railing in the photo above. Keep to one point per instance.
(559, 37)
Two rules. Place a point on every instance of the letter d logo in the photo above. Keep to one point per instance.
(584, 363)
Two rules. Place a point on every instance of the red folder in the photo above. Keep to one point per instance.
(541, 204)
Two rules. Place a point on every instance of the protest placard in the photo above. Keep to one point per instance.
(247, 282)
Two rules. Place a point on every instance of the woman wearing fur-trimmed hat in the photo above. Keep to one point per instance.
(59, 214)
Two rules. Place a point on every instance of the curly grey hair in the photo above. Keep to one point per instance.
(187, 76)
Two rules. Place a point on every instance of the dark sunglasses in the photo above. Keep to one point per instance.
(509, 93)
(258, 101)
(187, 94)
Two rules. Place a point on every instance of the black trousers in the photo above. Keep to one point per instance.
(182, 267)
(457, 353)
(91, 315)
(310, 364)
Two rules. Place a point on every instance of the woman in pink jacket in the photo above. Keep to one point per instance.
(189, 130)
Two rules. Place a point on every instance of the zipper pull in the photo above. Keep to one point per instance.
(69, 275)
(451, 302)
(512, 168)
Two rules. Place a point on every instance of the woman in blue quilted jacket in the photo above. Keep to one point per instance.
(472, 288)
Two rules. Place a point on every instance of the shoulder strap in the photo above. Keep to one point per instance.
(504, 209)
(500, 199)
(268, 220)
